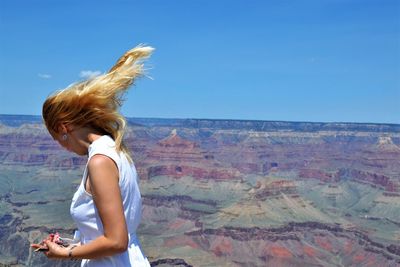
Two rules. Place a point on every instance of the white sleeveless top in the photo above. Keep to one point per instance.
(86, 217)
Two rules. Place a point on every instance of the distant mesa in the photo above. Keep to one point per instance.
(275, 189)
(176, 148)
(386, 143)
(177, 157)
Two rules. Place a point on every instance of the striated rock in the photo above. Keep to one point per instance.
(371, 178)
(275, 188)
(320, 175)
(177, 157)
(175, 148)
(318, 235)
(178, 171)
(247, 167)
(385, 143)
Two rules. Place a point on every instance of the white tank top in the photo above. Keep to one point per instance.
(86, 217)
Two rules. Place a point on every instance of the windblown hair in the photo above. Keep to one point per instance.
(95, 102)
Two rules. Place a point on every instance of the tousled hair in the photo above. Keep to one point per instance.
(95, 102)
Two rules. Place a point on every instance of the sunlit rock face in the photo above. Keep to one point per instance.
(221, 192)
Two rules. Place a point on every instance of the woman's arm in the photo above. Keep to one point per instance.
(104, 187)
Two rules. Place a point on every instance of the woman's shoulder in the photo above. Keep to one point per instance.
(99, 160)
(104, 145)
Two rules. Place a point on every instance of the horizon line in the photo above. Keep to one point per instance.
(242, 120)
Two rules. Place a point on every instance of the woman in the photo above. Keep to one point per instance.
(84, 119)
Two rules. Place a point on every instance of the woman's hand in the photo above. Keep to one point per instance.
(55, 251)
(42, 246)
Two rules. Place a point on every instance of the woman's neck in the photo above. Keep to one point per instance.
(84, 137)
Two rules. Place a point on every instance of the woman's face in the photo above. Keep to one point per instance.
(65, 138)
(71, 139)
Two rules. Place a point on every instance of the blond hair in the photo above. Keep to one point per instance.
(95, 102)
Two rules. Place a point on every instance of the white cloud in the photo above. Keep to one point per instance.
(44, 75)
(87, 74)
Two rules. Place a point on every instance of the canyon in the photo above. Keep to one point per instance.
(221, 192)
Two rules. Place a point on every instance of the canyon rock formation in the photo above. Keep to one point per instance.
(221, 192)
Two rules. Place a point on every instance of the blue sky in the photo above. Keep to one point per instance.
(322, 60)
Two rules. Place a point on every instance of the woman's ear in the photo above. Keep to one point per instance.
(62, 128)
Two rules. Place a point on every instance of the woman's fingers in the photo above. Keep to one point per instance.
(39, 247)
(55, 250)
(35, 245)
